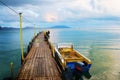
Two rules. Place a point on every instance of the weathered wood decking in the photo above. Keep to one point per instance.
(39, 63)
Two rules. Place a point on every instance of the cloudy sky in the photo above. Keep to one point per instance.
(73, 13)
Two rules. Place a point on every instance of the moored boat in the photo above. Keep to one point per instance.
(72, 62)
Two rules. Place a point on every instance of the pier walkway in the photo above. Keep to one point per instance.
(39, 63)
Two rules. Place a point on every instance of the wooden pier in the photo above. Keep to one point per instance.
(39, 63)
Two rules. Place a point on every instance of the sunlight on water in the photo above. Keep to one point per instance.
(103, 48)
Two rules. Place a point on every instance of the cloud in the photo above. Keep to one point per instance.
(50, 17)
(107, 7)
(70, 12)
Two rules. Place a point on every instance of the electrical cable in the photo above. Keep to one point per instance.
(14, 11)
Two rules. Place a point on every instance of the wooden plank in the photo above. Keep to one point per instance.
(39, 63)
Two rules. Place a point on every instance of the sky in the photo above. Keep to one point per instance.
(73, 13)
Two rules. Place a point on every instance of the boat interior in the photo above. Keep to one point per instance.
(69, 54)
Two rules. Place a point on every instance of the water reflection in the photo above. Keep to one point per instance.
(102, 48)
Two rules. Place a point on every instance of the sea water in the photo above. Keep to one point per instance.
(102, 47)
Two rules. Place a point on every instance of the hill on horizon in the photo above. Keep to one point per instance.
(60, 26)
(11, 28)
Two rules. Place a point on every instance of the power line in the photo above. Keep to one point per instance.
(26, 19)
(14, 11)
(9, 7)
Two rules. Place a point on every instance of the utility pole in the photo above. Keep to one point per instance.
(21, 42)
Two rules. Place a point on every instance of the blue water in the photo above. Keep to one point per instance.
(10, 50)
(96, 45)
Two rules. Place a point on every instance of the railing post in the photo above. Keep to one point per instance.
(12, 70)
(34, 30)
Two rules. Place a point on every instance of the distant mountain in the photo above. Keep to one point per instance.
(0, 27)
(7, 28)
(28, 28)
(12, 28)
(60, 26)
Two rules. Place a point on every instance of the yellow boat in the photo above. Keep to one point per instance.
(68, 58)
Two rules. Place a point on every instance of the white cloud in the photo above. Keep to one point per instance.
(112, 7)
(106, 7)
(51, 17)
(63, 10)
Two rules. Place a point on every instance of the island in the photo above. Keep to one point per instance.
(60, 26)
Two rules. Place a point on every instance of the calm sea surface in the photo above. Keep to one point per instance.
(102, 47)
